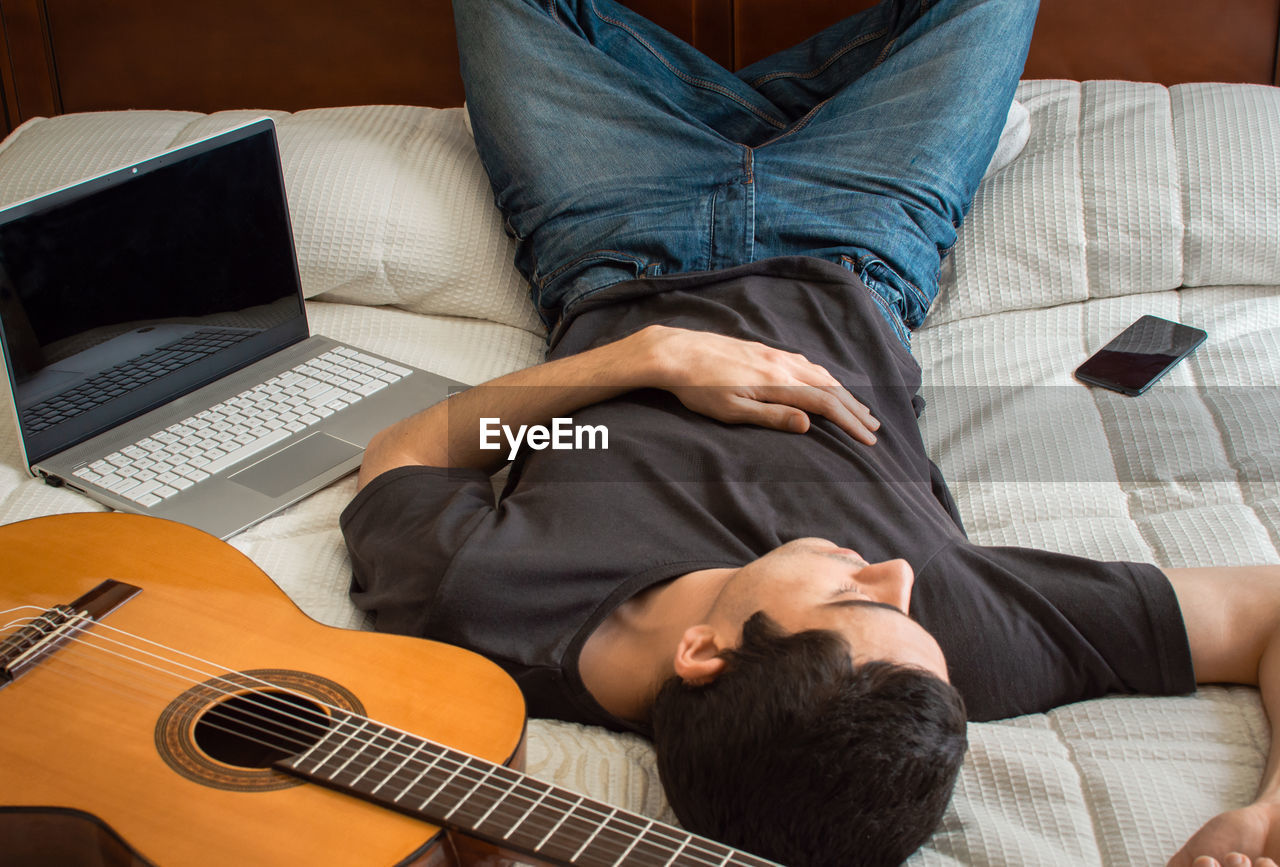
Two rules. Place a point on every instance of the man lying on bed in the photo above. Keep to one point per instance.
(762, 570)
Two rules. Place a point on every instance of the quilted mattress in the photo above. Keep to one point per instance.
(1127, 199)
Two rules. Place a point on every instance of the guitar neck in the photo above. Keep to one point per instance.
(495, 803)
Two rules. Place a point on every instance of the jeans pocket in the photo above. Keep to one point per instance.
(887, 289)
(910, 302)
(567, 284)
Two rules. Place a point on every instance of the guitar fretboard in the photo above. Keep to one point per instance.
(496, 803)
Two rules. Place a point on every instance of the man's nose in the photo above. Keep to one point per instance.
(888, 581)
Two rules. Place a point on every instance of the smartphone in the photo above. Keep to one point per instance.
(1140, 355)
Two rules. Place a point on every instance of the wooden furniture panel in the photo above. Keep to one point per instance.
(27, 65)
(763, 27)
(252, 53)
(85, 55)
(1169, 41)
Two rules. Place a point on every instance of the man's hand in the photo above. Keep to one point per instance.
(730, 380)
(1232, 615)
(742, 382)
(1247, 837)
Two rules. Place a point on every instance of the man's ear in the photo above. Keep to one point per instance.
(698, 661)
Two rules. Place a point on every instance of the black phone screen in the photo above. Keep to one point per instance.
(1140, 355)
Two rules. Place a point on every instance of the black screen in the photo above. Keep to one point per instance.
(130, 289)
(1140, 354)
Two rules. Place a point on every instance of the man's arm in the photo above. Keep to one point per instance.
(1232, 617)
(732, 380)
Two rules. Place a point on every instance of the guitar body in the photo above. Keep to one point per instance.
(114, 723)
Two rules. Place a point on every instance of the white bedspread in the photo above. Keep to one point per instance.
(1128, 199)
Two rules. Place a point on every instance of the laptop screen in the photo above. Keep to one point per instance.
(130, 289)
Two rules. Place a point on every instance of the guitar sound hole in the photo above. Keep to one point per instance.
(255, 729)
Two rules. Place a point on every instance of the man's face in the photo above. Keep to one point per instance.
(812, 583)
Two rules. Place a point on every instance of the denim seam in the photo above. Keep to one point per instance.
(859, 266)
(920, 297)
(895, 321)
(510, 227)
(566, 313)
(799, 125)
(702, 83)
(603, 253)
(749, 205)
(803, 122)
(711, 230)
(814, 73)
(888, 48)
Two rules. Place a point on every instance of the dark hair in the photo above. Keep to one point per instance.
(796, 754)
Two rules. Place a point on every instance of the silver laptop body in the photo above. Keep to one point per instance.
(156, 343)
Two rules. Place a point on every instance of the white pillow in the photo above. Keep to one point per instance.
(390, 205)
(1013, 138)
(1123, 188)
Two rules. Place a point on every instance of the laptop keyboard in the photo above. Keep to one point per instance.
(173, 459)
(130, 375)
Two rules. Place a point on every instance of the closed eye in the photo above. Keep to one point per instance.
(868, 603)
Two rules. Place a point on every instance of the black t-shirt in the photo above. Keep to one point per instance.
(526, 580)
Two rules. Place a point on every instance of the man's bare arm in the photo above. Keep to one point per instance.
(734, 381)
(1232, 617)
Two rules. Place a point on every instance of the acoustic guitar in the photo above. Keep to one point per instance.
(162, 702)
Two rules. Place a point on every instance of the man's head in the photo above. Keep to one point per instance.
(812, 583)
(809, 719)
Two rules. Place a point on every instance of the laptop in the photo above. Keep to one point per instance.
(157, 349)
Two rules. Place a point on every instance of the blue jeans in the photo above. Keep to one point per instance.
(617, 151)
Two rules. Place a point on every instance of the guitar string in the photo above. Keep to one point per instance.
(513, 780)
(295, 744)
(664, 849)
(689, 843)
(664, 856)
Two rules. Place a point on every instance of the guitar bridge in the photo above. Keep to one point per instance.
(23, 649)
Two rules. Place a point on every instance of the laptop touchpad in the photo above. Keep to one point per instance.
(304, 460)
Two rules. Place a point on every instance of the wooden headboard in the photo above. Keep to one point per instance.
(61, 56)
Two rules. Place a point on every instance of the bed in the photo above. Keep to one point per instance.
(1148, 182)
